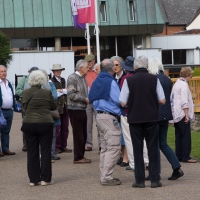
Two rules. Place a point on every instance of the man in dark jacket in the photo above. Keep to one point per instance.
(143, 93)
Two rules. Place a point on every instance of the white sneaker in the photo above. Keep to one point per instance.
(43, 183)
(34, 184)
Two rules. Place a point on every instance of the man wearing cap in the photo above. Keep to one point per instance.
(90, 77)
(7, 105)
(22, 85)
(62, 131)
(128, 67)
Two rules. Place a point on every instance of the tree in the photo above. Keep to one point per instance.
(5, 52)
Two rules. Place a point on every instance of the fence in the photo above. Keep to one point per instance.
(194, 85)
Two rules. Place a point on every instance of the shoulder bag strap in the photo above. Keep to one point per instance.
(31, 98)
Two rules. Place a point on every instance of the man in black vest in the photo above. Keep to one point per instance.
(143, 92)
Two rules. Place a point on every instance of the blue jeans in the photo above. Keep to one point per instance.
(53, 146)
(166, 150)
(5, 138)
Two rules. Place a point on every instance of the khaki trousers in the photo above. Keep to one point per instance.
(129, 145)
(110, 134)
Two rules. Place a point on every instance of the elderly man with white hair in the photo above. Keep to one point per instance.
(7, 105)
(143, 93)
(77, 101)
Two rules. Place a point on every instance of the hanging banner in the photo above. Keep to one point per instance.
(75, 15)
(86, 11)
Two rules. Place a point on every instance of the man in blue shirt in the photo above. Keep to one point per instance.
(104, 95)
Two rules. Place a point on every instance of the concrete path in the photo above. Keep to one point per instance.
(81, 182)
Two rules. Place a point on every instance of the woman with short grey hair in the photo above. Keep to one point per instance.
(183, 115)
(119, 72)
(38, 128)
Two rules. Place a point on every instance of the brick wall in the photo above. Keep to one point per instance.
(170, 30)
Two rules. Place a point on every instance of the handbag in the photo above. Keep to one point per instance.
(55, 114)
(3, 122)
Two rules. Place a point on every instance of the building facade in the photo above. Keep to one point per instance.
(47, 25)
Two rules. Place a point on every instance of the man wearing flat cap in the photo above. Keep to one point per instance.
(90, 77)
(62, 131)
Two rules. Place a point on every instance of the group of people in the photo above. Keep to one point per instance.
(132, 100)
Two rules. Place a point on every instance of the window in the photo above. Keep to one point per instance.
(103, 11)
(124, 50)
(46, 44)
(167, 57)
(179, 57)
(131, 11)
(174, 57)
(24, 44)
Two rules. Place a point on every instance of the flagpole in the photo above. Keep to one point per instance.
(88, 38)
(97, 32)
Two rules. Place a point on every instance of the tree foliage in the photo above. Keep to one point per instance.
(196, 71)
(5, 52)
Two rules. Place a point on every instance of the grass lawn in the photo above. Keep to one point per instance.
(195, 153)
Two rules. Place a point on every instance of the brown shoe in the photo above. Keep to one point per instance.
(82, 161)
(1, 154)
(24, 148)
(58, 151)
(190, 161)
(8, 153)
(66, 150)
(88, 149)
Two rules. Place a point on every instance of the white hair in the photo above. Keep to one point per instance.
(155, 65)
(141, 62)
(46, 85)
(3, 66)
(37, 78)
(79, 64)
(96, 65)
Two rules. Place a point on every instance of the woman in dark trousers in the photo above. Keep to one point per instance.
(183, 115)
(38, 129)
(165, 114)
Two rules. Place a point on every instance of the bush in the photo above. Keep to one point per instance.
(5, 52)
(196, 71)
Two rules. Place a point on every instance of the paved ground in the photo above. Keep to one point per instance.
(77, 182)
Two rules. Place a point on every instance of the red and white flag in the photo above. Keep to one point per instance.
(86, 11)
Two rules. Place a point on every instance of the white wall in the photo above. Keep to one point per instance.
(43, 60)
(195, 24)
(176, 42)
(149, 53)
